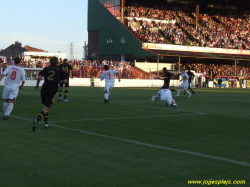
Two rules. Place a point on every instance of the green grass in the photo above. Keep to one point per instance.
(128, 142)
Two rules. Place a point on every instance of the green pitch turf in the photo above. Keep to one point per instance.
(128, 142)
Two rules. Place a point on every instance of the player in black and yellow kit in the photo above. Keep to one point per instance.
(66, 68)
(52, 74)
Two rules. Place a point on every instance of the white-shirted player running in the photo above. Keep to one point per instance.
(109, 76)
(184, 84)
(165, 96)
(14, 75)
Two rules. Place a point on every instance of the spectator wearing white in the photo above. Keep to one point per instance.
(203, 81)
(104, 62)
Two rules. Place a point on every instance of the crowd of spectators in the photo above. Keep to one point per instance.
(178, 26)
(87, 68)
(90, 69)
(126, 71)
(224, 32)
(217, 70)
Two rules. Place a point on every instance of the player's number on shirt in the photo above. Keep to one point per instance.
(66, 69)
(52, 73)
(13, 75)
(109, 74)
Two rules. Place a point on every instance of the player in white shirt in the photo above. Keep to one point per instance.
(184, 84)
(109, 76)
(14, 75)
(165, 96)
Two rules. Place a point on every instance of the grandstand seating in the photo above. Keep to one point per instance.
(177, 26)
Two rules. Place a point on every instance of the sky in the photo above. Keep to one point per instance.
(50, 25)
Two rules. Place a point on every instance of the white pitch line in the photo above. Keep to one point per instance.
(149, 145)
(157, 146)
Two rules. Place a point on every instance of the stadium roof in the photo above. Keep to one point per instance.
(241, 4)
(192, 52)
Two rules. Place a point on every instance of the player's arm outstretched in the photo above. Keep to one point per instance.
(155, 98)
(5, 73)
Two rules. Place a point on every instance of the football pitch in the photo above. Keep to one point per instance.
(128, 142)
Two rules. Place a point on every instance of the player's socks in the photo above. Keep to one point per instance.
(66, 94)
(46, 118)
(9, 109)
(35, 121)
(189, 94)
(179, 91)
(106, 96)
(40, 116)
(5, 108)
(60, 93)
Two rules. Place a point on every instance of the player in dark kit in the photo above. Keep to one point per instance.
(167, 77)
(191, 76)
(52, 77)
(66, 68)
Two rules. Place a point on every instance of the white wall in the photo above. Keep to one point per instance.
(123, 83)
(98, 83)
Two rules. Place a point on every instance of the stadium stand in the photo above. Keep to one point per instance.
(177, 26)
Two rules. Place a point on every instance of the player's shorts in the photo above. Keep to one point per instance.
(66, 85)
(10, 91)
(167, 99)
(48, 96)
(184, 85)
(108, 86)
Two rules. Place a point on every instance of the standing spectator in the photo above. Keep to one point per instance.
(241, 81)
(52, 77)
(14, 75)
(109, 76)
(203, 81)
(207, 81)
(66, 68)
(199, 81)
(60, 61)
(215, 82)
(93, 81)
(219, 82)
(104, 62)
